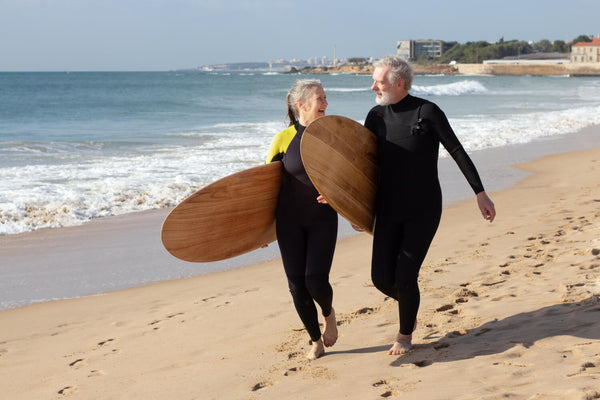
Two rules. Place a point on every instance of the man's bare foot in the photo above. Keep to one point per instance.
(402, 345)
(316, 351)
(330, 333)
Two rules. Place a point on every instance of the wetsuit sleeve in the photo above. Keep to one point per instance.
(451, 143)
(279, 144)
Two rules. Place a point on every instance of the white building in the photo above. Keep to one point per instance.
(586, 52)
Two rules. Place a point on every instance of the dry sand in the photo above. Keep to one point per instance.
(509, 310)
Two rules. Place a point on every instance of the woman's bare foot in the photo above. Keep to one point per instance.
(402, 345)
(330, 333)
(316, 351)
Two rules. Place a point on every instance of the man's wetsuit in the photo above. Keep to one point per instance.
(409, 200)
(306, 232)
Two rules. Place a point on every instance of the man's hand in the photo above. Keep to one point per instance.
(486, 206)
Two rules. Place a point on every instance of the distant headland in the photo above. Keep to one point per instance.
(579, 57)
(534, 68)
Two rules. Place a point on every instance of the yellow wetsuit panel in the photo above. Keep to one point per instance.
(280, 143)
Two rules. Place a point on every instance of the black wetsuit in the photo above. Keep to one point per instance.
(409, 200)
(306, 234)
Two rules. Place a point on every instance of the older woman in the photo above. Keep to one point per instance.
(306, 226)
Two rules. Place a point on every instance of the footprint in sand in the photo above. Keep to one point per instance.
(584, 368)
(170, 316)
(80, 362)
(261, 385)
(463, 295)
(454, 334)
(208, 298)
(482, 331)
(441, 345)
(67, 390)
(592, 396)
(105, 342)
(423, 363)
(292, 371)
(445, 308)
(493, 283)
(384, 383)
(155, 322)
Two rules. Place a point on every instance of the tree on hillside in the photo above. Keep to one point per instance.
(543, 46)
(581, 38)
(476, 52)
(559, 46)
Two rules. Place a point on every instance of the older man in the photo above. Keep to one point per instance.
(409, 206)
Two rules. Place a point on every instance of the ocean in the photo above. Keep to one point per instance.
(83, 146)
(76, 146)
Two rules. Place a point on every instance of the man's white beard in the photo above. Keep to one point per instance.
(384, 100)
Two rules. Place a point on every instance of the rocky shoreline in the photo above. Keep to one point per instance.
(437, 69)
(530, 68)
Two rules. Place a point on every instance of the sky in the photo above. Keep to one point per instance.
(159, 35)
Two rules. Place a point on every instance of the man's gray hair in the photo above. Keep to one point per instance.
(399, 69)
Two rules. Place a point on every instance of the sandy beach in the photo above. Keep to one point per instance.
(509, 310)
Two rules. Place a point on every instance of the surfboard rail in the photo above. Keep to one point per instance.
(227, 218)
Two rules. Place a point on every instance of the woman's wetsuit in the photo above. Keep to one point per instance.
(306, 232)
(409, 201)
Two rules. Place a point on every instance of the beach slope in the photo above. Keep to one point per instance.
(509, 310)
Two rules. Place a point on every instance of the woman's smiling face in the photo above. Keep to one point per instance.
(314, 107)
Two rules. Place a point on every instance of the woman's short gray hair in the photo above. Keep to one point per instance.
(399, 69)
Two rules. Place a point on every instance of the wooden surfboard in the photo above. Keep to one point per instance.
(229, 217)
(340, 158)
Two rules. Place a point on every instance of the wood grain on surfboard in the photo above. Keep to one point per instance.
(229, 217)
(340, 158)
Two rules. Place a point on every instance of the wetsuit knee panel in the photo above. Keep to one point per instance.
(316, 282)
(296, 285)
(407, 271)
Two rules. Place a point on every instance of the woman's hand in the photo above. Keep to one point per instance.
(322, 200)
(357, 228)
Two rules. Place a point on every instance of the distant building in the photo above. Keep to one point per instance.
(586, 52)
(403, 49)
(411, 49)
